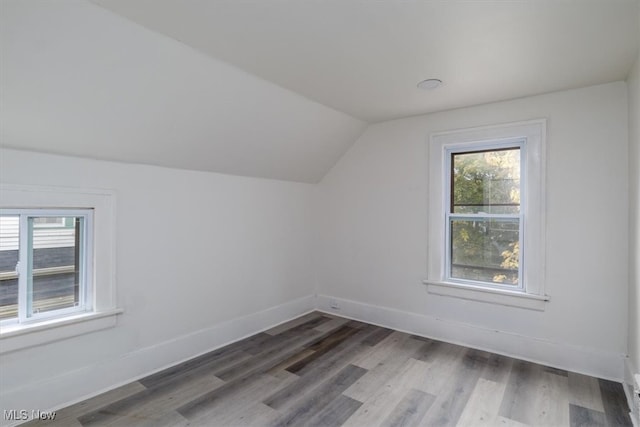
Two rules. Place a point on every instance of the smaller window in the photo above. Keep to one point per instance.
(74, 306)
(45, 263)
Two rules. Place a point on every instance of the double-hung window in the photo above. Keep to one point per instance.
(483, 215)
(486, 214)
(45, 263)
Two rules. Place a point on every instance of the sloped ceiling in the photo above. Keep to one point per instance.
(79, 80)
(280, 88)
(365, 57)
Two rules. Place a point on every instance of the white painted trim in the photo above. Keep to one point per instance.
(72, 387)
(570, 357)
(101, 230)
(533, 208)
(496, 128)
(632, 390)
(488, 295)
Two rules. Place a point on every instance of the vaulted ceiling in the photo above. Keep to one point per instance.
(281, 88)
(365, 57)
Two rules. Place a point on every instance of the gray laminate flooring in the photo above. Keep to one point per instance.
(322, 370)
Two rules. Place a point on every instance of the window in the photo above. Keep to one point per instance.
(483, 216)
(45, 263)
(64, 284)
(486, 216)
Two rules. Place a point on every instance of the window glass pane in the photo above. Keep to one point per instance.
(485, 250)
(49, 221)
(486, 181)
(9, 243)
(55, 267)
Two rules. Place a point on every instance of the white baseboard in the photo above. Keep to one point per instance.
(608, 365)
(72, 387)
(631, 389)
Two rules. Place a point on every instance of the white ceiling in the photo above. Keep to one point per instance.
(78, 80)
(280, 88)
(365, 58)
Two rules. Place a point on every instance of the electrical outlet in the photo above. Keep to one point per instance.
(334, 304)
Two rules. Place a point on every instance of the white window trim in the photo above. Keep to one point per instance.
(16, 337)
(59, 224)
(532, 296)
(85, 299)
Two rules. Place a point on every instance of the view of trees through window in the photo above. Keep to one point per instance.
(484, 216)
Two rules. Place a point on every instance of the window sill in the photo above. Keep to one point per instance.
(17, 337)
(491, 296)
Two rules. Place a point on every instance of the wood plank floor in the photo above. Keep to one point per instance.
(322, 370)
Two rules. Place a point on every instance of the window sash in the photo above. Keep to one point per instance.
(25, 265)
(451, 155)
(449, 250)
(448, 206)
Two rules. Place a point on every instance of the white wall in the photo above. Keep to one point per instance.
(633, 84)
(202, 259)
(373, 230)
(241, 254)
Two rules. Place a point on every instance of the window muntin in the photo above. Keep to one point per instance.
(483, 215)
(44, 271)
